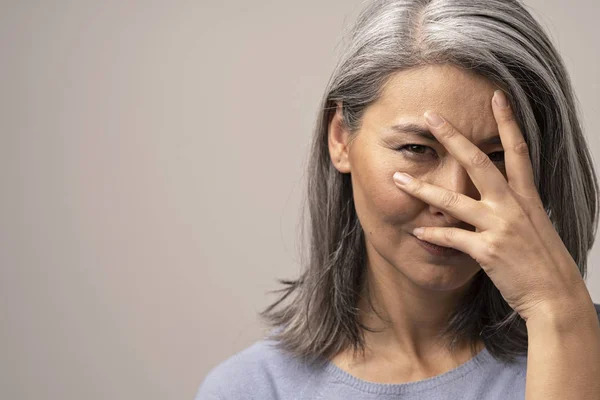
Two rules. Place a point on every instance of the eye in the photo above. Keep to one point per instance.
(410, 148)
(497, 152)
(417, 151)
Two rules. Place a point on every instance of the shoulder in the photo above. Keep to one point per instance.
(260, 371)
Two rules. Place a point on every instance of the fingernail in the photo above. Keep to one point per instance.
(500, 99)
(433, 119)
(402, 179)
(418, 231)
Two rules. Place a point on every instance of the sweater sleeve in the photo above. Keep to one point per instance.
(209, 388)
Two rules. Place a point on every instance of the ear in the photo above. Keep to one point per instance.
(338, 140)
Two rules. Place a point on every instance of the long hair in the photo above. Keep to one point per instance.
(497, 39)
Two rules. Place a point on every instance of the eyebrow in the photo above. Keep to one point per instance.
(426, 133)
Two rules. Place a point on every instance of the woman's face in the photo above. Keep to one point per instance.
(387, 214)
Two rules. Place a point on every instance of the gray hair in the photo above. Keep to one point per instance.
(497, 39)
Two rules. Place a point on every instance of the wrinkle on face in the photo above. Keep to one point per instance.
(461, 97)
(388, 214)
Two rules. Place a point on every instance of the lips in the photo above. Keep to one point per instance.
(436, 245)
(438, 250)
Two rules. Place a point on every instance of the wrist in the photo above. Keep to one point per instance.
(563, 315)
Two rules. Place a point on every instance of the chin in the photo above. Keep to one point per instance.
(443, 278)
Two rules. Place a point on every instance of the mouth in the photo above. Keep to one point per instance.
(436, 250)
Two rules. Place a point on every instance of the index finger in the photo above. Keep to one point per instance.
(488, 179)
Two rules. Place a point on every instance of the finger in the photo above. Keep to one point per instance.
(485, 176)
(456, 204)
(460, 239)
(519, 169)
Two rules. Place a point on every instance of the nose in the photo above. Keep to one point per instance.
(453, 177)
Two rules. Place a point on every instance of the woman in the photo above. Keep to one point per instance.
(488, 301)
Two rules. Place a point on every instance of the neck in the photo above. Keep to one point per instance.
(408, 319)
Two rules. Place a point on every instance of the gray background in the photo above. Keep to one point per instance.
(151, 164)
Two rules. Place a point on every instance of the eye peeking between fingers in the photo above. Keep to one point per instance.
(418, 151)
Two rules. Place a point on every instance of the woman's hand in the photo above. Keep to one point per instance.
(515, 242)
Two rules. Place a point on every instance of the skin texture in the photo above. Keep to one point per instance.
(412, 289)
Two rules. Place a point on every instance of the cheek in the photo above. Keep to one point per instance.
(391, 203)
(375, 192)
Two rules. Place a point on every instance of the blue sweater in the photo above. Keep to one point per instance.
(262, 372)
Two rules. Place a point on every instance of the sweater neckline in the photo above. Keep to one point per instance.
(335, 372)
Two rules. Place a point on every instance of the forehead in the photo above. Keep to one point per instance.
(461, 97)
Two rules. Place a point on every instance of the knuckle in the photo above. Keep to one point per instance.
(480, 160)
(449, 235)
(490, 249)
(448, 133)
(450, 200)
(522, 148)
(506, 228)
